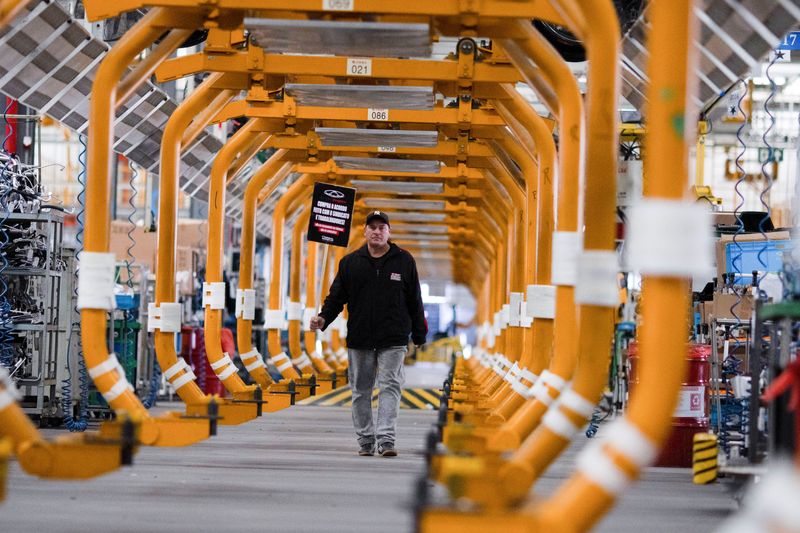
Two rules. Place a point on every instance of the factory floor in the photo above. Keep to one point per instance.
(297, 471)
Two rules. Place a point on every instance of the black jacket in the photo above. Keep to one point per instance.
(383, 299)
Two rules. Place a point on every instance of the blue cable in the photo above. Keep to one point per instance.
(768, 179)
(83, 376)
(730, 366)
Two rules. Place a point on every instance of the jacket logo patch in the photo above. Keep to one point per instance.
(395, 276)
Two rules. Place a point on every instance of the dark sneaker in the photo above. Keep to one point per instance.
(367, 450)
(387, 450)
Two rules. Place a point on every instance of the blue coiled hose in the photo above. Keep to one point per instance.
(83, 376)
(768, 179)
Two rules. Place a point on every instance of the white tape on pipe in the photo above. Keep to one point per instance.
(165, 317)
(227, 372)
(529, 376)
(597, 278)
(553, 380)
(303, 361)
(6, 399)
(514, 307)
(96, 279)
(185, 379)
(250, 355)
(520, 388)
(294, 311)
(540, 392)
(541, 301)
(214, 295)
(566, 247)
(257, 363)
(629, 440)
(111, 363)
(245, 304)
(274, 319)
(559, 423)
(281, 361)
(576, 403)
(593, 463)
(670, 238)
(224, 361)
(116, 390)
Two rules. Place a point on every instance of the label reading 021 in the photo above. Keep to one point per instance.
(378, 114)
(359, 67)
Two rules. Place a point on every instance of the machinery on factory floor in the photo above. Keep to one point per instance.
(602, 181)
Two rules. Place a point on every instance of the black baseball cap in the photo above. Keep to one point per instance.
(377, 214)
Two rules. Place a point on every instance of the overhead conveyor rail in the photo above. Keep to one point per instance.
(484, 191)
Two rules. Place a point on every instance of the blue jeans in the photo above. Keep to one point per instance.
(364, 366)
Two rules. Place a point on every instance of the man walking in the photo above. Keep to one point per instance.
(380, 286)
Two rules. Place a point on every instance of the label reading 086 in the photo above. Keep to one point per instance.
(377, 114)
(359, 67)
(337, 5)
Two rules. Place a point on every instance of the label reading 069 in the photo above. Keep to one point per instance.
(377, 114)
(337, 5)
(359, 67)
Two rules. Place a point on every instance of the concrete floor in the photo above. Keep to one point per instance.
(296, 471)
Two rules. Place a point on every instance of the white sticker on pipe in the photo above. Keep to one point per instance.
(566, 247)
(294, 311)
(245, 304)
(670, 238)
(542, 301)
(96, 277)
(597, 278)
(274, 319)
(515, 309)
(214, 295)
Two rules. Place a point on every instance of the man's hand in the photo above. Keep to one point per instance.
(316, 323)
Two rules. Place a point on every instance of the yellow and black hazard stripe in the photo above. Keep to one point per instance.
(704, 458)
(409, 399)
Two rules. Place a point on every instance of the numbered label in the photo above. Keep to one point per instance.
(377, 114)
(359, 67)
(337, 5)
(389, 149)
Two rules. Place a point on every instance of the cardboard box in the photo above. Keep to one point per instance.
(144, 249)
(193, 233)
(721, 306)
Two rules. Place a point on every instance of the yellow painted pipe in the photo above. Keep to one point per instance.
(10, 9)
(665, 300)
(238, 143)
(98, 193)
(299, 358)
(270, 175)
(204, 117)
(570, 116)
(297, 188)
(546, 444)
(145, 68)
(171, 146)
